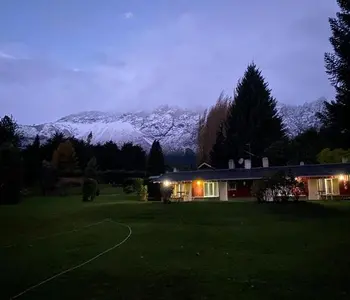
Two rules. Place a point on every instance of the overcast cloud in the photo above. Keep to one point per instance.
(66, 56)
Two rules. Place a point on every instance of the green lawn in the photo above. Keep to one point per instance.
(177, 251)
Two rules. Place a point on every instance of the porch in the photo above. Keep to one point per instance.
(328, 188)
(199, 189)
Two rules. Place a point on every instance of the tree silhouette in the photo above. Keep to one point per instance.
(252, 118)
(336, 119)
(155, 163)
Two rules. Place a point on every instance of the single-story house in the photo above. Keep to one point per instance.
(321, 181)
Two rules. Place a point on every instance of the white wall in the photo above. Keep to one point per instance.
(313, 191)
(223, 190)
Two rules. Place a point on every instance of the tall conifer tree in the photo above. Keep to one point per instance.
(253, 122)
(155, 163)
(336, 119)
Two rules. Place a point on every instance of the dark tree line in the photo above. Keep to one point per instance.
(71, 156)
(46, 163)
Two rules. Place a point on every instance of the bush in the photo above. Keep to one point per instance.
(277, 187)
(166, 192)
(143, 193)
(140, 189)
(137, 185)
(258, 190)
(90, 188)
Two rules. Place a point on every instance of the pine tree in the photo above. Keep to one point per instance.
(9, 132)
(155, 163)
(336, 117)
(252, 118)
(218, 154)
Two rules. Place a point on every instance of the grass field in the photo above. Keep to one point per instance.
(177, 251)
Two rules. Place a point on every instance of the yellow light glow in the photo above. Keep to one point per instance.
(198, 182)
(166, 183)
(341, 177)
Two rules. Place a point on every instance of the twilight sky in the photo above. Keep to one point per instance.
(64, 56)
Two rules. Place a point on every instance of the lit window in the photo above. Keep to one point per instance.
(211, 189)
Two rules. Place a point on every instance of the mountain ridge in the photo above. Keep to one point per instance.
(175, 127)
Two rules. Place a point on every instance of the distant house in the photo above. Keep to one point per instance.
(321, 181)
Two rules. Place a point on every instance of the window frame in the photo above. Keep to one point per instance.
(215, 189)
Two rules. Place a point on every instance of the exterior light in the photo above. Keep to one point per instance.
(341, 177)
(166, 183)
(198, 182)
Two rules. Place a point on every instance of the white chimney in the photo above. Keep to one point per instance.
(265, 162)
(231, 164)
(247, 164)
(302, 163)
(344, 160)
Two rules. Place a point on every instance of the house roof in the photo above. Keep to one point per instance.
(320, 170)
(205, 166)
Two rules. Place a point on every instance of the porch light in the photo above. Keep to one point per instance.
(341, 177)
(198, 182)
(166, 183)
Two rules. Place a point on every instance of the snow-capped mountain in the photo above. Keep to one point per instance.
(176, 128)
(298, 118)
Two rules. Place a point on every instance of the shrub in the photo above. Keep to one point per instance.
(137, 185)
(258, 189)
(277, 187)
(166, 192)
(90, 188)
(143, 193)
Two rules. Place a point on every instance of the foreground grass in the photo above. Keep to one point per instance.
(177, 251)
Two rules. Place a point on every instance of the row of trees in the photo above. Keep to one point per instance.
(61, 157)
(248, 125)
